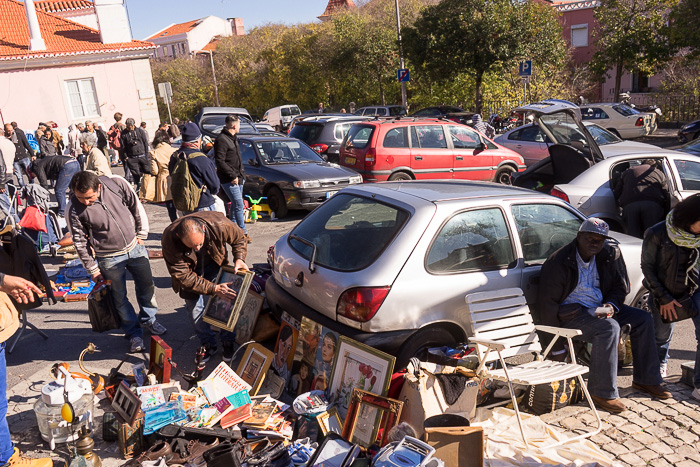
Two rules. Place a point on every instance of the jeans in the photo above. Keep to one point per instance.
(114, 269)
(6, 205)
(63, 182)
(664, 333)
(20, 168)
(604, 335)
(196, 307)
(138, 165)
(235, 194)
(7, 449)
(638, 216)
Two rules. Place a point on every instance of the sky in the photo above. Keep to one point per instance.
(150, 16)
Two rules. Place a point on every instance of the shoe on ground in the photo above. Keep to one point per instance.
(209, 351)
(155, 328)
(248, 239)
(154, 453)
(610, 405)
(655, 390)
(696, 394)
(18, 460)
(663, 369)
(189, 451)
(228, 350)
(136, 345)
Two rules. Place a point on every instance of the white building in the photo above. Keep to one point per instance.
(185, 39)
(80, 11)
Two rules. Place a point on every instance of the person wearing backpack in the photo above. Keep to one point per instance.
(193, 175)
(134, 141)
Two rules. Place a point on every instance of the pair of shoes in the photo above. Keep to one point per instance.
(301, 451)
(248, 239)
(136, 345)
(154, 453)
(611, 405)
(19, 460)
(696, 394)
(228, 349)
(663, 369)
(190, 451)
(155, 328)
(656, 390)
(209, 351)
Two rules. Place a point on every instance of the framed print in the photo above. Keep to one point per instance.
(248, 317)
(369, 413)
(126, 403)
(221, 312)
(358, 366)
(329, 422)
(285, 345)
(159, 361)
(254, 365)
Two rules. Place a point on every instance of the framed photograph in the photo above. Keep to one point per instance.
(159, 361)
(248, 317)
(221, 312)
(369, 413)
(126, 403)
(254, 365)
(358, 366)
(329, 422)
(284, 348)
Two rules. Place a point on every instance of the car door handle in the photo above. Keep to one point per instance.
(459, 158)
(418, 158)
(299, 281)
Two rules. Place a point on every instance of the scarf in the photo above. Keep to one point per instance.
(685, 239)
(190, 145)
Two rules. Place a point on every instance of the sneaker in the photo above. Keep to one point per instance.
(696, 394)
(136, 345)
(663, 369)
(228, 350)
(19, 460)
(155, 328)
(248, 239)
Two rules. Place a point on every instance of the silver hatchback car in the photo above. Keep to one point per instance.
(389, 264)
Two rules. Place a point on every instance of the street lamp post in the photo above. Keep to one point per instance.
(213, 73)
(404, 100)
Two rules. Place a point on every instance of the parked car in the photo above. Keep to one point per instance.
(530, 142)
(450, 112)
(211, 120)
(311, 116)
(390, 264)
(382, 111)
(621, 119)
(289, 173)
(689, 131)
(691, 147)
(280, 117)
(405, 149)
(325, 134)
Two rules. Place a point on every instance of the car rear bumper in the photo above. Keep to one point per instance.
(310, 199)
(280, 301)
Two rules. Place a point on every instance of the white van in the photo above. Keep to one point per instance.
(279, 117)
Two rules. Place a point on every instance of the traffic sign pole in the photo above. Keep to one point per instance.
(404, 99)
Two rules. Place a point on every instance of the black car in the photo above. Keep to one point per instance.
(689, 131)
(290, 174)
(211, 120)
(325, 134)
(450, 112)
(692, 147)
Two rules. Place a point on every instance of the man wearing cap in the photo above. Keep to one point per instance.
(134, 142)
(583, 286)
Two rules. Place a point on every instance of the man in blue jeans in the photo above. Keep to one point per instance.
(229, 168)
(58, 168)
(108, 234)
(583, 286)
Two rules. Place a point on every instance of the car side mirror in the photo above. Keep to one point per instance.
(253, 162)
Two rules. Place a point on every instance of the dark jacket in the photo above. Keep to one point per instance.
(641, 183)
(134, 142)
(49, 168)
(664, 265)
(227, 154)
(4, 176)
(22, 147)
(18, 257)
(559, 277)
(182, 260)
(203, 172)
(111, 226)
(46, 147)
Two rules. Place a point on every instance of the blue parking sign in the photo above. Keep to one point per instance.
(525, 68)
(402, 75)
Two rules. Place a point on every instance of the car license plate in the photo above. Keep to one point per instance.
(330, 193)
(350, 160)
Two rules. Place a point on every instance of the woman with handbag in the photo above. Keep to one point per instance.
(671, 267)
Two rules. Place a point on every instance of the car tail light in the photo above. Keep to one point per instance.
(640, 122)
(454, 119)
(361, 303)
(559, 194)
(319, 148)
(370, 158)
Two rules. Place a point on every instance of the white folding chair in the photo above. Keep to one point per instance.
(502, 327)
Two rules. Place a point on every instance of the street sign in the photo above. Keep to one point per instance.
(525, 79)
(525, 68)
(166, 92)
(403, 75)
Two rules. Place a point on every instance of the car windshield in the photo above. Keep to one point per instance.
(626, 110)
(348, 231)
(601, 135)
(289, 111)
(307, 132)
(396, 111)
(215, 123)
(286, 152)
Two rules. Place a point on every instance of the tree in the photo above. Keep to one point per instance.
(192, 85)
(631, 35)
(684, 18)
(481, 36)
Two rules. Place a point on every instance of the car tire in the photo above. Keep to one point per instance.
(640, 301)
(276, 201)
(399, 177)
(418, 344)
(503, 175)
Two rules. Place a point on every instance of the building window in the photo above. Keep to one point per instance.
(579, 35)
(83, 98)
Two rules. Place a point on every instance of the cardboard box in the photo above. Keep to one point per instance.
(457, 446)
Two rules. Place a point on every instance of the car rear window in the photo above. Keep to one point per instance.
(307, 132)
(625, 110)
(396, 111)
(360, 136)
(349, 232)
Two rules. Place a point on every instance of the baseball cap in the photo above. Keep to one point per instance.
(596, 226)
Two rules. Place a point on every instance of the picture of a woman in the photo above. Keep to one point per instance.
(324, 361)
(285, 342)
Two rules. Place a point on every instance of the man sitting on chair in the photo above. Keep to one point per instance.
(583, 286)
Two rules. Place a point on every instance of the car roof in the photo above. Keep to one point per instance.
(332, 118)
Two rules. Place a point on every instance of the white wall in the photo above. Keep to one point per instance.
(205, 31)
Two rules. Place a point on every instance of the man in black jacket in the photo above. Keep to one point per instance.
(583, 286)
(23, 151)
(134, 142)
(643, 196)
(59, 168)
(229, 168)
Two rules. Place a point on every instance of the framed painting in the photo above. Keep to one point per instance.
(254, 365)
(284, 348)
(222, 312)
(248, 317)
(358, 366)
(159, 361)
(369, 413)
(329, 422)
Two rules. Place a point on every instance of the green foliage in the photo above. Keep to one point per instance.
(685, 17)
(192, 85)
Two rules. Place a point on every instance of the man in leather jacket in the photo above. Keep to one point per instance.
(583, 286)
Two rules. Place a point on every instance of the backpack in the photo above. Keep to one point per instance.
(115, 134)
(186, 194)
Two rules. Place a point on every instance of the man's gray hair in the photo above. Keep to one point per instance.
(88, 138)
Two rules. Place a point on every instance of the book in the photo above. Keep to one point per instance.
(150, 396)
(188, 400)
(221, 383)
(236, 416)
(260, 413)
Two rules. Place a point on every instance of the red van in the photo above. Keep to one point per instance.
(421, 149)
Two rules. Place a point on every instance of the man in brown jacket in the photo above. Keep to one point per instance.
(194, 249)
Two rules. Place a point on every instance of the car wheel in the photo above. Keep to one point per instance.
(503, 175)
(418, 344)
(640, 301)
(275, 198)
(399, 176)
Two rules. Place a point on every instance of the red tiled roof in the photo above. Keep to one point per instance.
(62, 37)
(211, 46)
(176, 29)
(336, 6)
(55, 6)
